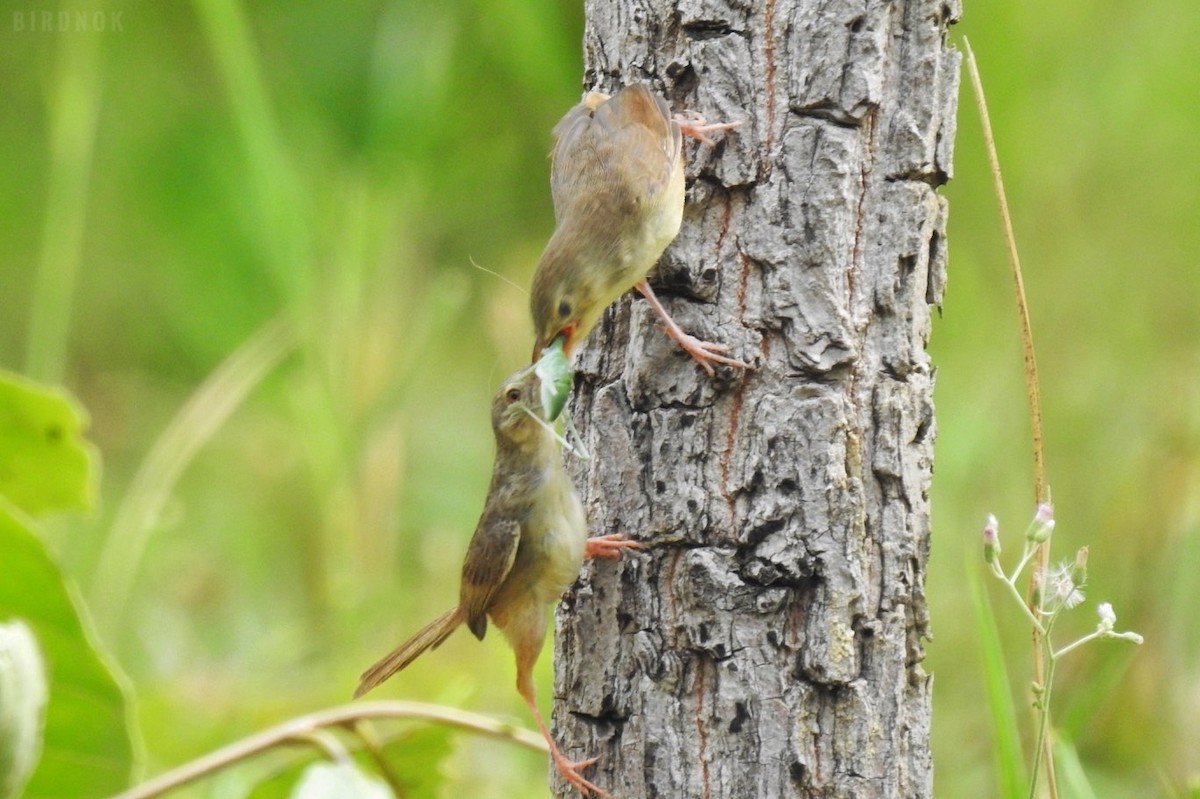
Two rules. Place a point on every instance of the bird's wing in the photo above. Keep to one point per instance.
(627, 143)
(640, 130)
(570, 135)
(639, 118)
(489, 559)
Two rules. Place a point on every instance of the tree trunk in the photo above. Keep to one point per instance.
(768, 642)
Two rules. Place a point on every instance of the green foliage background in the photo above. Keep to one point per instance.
(176, 182)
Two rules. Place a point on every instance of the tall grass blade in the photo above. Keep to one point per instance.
(73, 106)
(200, 417)
(1010, 762)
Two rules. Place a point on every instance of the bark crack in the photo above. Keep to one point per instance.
(701, 732)
(669, 584)
(764, 161)
(854, 446)
(865, 171)
(735, 413)
(736, 401)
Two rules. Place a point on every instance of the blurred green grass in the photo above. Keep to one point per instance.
(390, 145)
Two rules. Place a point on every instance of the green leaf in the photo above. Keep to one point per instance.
(413, 761)
(1010, 764)
(342, 780)
(86, 751)
(278, 782)
(44, 462)
(22, 706)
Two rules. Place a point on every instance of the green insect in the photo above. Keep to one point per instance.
(554, 371)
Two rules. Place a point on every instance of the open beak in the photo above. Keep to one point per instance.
(567, 334)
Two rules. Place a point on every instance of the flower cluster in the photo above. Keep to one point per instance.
(1056, 589)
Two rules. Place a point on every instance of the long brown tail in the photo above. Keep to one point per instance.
(430, 636)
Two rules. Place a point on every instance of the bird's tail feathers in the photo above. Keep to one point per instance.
(430, 636)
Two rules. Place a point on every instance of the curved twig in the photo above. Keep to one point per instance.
(302, 727)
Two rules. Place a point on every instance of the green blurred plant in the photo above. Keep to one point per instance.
(66, 733)
(338, 239)
(74, 107)
(206, 410)
(1050, 590)
(1055, 590)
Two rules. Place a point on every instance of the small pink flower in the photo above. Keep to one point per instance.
(1042, 525)
(991, 539)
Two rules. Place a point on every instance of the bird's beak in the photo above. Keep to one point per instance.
(568, 337)
(567, 333)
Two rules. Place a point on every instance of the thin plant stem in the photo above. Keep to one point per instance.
(1040, 667)
(1045, 747)
(73, 106)
(1029, 553)
(314, 724)
(1029, 614)
(1076, 644)
(1031, 373)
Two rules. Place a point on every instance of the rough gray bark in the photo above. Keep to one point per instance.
(768, 642)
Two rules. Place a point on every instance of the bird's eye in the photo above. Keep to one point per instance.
(564, 309)
(513, 394)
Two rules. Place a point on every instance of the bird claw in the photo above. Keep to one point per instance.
(696, 126)
(570, 770)
(608, 546)
(706, 353)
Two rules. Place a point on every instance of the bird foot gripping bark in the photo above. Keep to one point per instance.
(696, 126)
(706, 353)
(608, 546)
(570, 770)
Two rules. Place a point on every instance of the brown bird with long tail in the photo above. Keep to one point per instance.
(527, 549)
